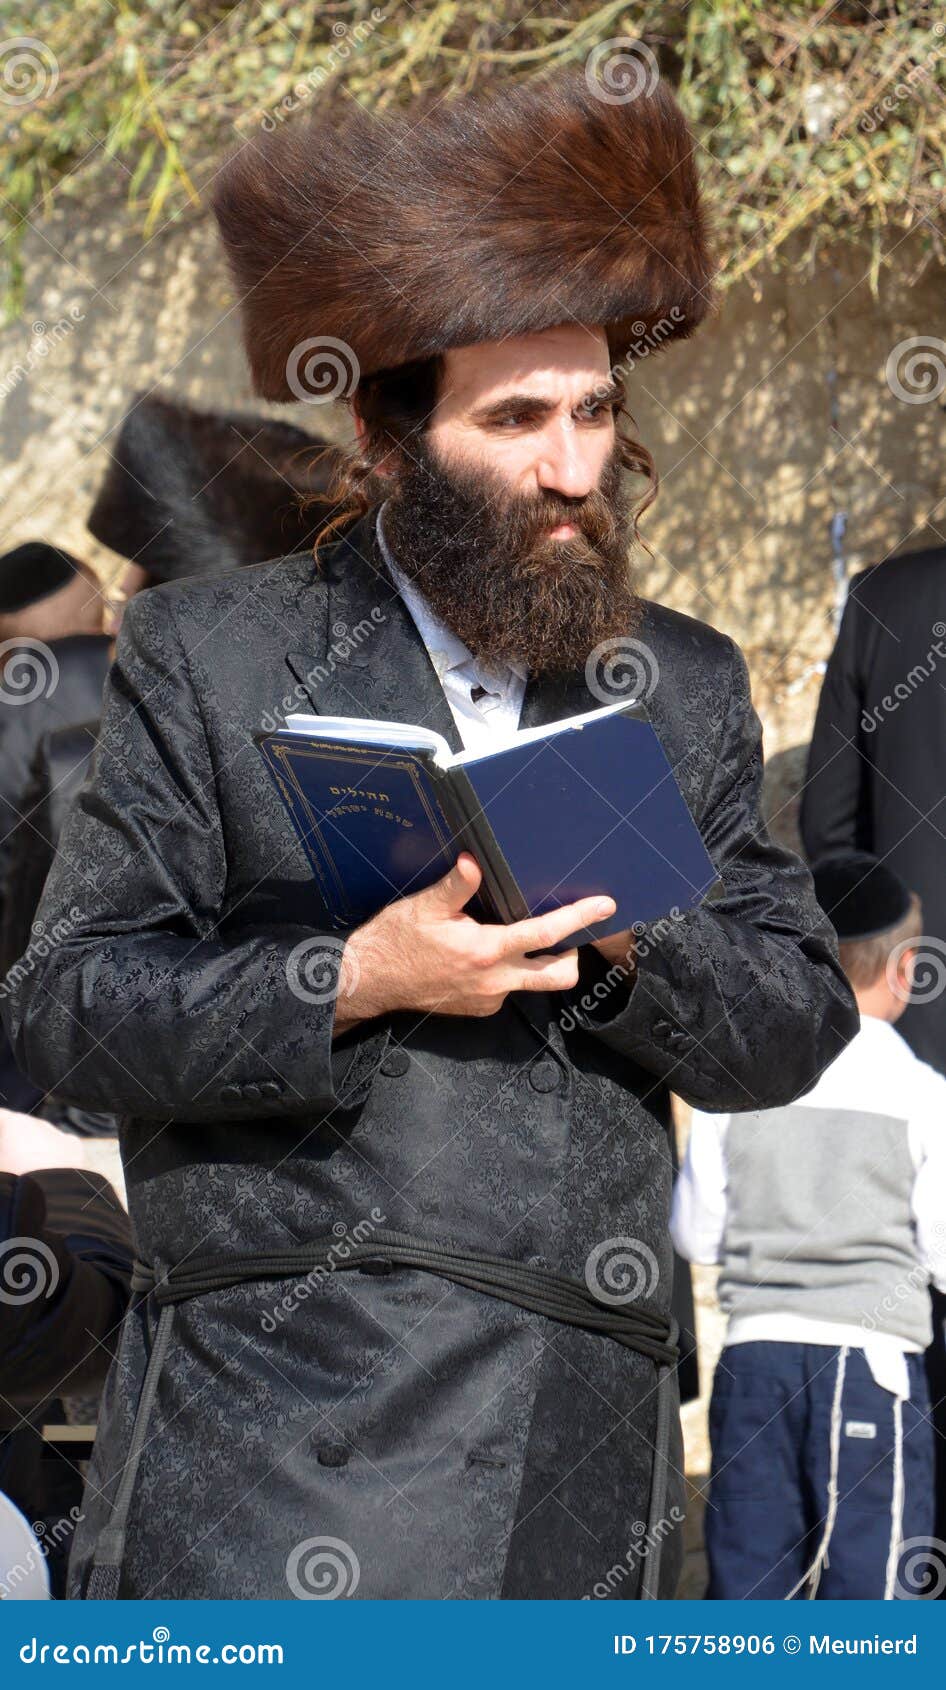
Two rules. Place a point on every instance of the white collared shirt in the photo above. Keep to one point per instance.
(484, 722)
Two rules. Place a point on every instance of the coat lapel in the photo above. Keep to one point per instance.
(372, 662)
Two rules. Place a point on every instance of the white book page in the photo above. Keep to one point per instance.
(394, 736)
(544, 731)
(403, 736)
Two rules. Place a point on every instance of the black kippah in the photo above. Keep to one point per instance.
(861, 896)
(31, 572)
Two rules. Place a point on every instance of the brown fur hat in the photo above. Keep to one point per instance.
(484, 216)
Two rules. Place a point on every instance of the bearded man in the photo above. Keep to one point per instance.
(379, 1346)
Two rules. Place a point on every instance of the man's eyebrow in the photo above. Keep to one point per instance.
(495, 410)
(539, 405)
(612, 394)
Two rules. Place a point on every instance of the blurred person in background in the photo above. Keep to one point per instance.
(828, 1218)
(65, 1272)
(876, 781)
(54, 655)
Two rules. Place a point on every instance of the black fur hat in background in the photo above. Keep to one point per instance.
(188, 492)
(34, 571)
(485, 216)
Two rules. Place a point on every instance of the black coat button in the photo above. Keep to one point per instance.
(396, 1063)
(270, 1088)
(252, 1092)
(660, 1028)
(230, 1094)
(332, 1455)
(544, 1076)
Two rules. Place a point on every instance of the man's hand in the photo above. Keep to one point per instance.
(619, 949)
(424, 953)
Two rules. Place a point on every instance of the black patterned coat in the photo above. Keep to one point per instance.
(451, 1444)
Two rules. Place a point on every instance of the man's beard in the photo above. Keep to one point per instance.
(484, 559)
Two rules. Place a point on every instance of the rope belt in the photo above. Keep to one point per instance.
(539, 1290)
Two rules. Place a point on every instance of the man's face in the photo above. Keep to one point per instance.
(511, 511)
(515, 407)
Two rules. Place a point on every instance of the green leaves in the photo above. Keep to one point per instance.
(157, 87)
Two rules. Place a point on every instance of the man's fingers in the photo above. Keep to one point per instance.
(541, 931)
(456, 888)
(547, 974)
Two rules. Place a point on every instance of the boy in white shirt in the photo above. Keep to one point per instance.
(828, 1218)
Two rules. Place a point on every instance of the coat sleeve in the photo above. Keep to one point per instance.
(834, 806)
(132, 1001)
(740, 1003)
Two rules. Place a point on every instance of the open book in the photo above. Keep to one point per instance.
(588, 804)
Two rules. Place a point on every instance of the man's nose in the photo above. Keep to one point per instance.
(568, 463)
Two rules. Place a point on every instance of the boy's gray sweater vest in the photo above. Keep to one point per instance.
(819, 1221)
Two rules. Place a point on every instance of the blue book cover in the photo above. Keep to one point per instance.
(576, 807)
